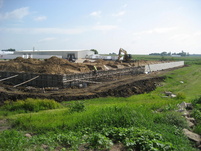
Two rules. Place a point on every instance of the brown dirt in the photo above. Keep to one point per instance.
(122, 86)
(4, 125)
(56, 65)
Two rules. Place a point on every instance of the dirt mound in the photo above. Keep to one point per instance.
(56, 65)
(29, 60)
(55, 60)
(52, 65)
(100, 61)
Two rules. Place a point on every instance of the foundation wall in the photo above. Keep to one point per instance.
(163, 66)
(64, 81)
(44, 80)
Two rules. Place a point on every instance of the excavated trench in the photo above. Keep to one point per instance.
(117, 90)
(121, 80)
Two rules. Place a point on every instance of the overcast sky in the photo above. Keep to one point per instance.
(138, 26)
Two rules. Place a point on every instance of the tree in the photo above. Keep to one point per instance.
(9, 49)
(163, 53)
(94, 50)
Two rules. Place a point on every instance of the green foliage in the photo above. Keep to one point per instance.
(94, 50)
(97, 141)
(197, 101)
(196, 113)
(9, 50)
(132, 139)
(115, 116)
(68, 140)
(180, 96)
(140, 122)
(171, 118)
(77, 106)
(12, 140)
(138, 139)
(31, 105)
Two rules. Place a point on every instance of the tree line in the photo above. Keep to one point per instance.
(164, 53)
(12, 50)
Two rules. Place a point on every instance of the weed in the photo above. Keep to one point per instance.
(68, 140)
(97, 141)
(11, 140)
(126, 120)
(138, 139)
(31, 105)
(77, 106)
(180, 96)
(172, 118)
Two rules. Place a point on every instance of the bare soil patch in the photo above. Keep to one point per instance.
(56, 65)
(118, 86)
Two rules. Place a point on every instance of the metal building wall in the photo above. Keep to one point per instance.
(78, 54)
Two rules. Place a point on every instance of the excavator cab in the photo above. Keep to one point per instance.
(126, 57)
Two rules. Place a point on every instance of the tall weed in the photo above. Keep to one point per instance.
(12, 140)
(171, 118)
(31, 105)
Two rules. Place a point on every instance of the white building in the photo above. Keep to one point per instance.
(66, 54)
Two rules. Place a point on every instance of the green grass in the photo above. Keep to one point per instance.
(189, 60)
(149, 114)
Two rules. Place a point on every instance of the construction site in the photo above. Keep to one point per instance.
(62, 80)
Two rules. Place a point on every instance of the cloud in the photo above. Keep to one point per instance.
(96, 14)
(43, 30)
(105, 27)
(156, 31)
(47, 39)
(198, 33)
(189, 36)
(40, 18)
(15, 14)
(121, 13)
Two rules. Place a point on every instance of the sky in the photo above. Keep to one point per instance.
(138, 26)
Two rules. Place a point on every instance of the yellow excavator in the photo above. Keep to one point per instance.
(126, 57)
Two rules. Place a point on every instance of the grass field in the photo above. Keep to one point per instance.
(139, 122)
(189, 60)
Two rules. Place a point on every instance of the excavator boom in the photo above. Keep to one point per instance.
(127, 57)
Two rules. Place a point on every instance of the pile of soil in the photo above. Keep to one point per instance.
(56, 65)
(52, 65)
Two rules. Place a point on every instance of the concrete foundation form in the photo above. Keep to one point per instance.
(63, 81)
(163, 66)
(42, 80)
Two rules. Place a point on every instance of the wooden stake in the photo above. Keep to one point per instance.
(9, 77)
(25, 82)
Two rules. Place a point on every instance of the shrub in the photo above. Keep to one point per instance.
(33, 105)
(196, 101)
(11, 140)
(138, 139)
(97, 141)
(69, 140)
(172, 118)
(196, 113)
(181, 96)
(77, 107)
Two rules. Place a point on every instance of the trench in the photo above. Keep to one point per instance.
(123, 90)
